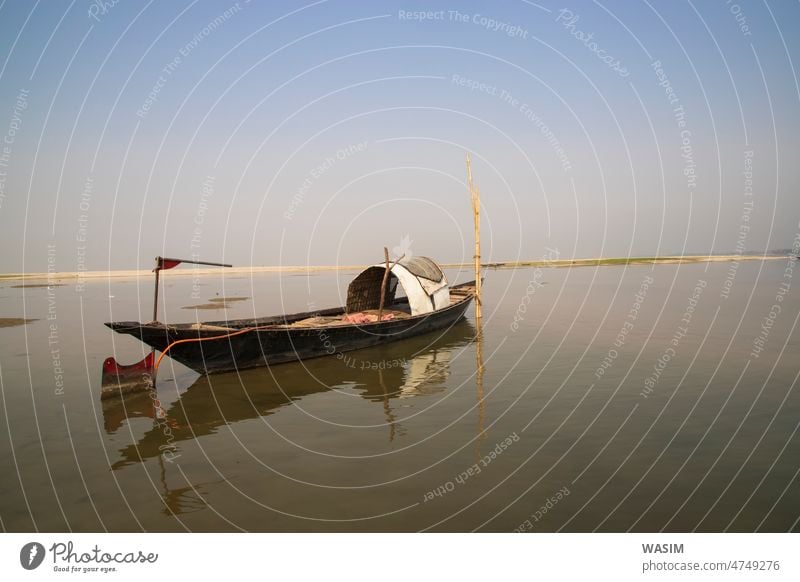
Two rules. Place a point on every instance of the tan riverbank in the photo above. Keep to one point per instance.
(612, 262)
(187, 270)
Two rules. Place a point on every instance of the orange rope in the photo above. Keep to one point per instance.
(202, 339)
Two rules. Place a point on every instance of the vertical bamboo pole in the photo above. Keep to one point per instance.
(155, 292)
(478, 285)
(476, 215)
(479, 367)
(383, 283)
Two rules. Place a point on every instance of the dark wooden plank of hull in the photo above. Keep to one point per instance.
(285, 344)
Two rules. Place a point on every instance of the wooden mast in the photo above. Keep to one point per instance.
(163, 263)
(476, 215)
(383, 283)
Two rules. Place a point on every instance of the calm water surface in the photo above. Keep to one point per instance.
(610, 399)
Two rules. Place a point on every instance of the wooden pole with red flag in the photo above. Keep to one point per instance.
(163, 264)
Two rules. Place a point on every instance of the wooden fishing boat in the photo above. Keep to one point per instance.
(376, 312)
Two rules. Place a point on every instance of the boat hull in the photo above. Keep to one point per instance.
(275, 341)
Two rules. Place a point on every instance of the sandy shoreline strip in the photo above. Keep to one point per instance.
(189, 271)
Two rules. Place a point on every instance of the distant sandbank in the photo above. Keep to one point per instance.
(189, 271)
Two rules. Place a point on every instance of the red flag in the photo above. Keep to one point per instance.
(167, 263)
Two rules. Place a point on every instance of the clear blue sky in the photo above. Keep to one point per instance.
(177, 128)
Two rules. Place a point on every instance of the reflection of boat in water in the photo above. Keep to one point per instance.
(378, 374)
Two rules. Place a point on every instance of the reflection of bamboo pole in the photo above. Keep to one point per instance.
(387, 410)
(476, 215)
(479, 369)
(163, 478)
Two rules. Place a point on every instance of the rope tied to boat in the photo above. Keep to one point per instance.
(202, 339)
